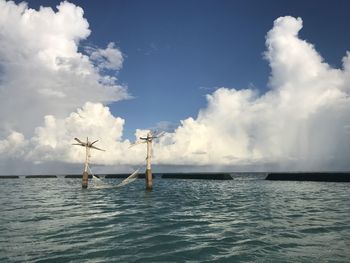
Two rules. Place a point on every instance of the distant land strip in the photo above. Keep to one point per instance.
(40, 176)
(310, 176)
(78, 176)
(142, 175)
(205, 176)
(202, 176)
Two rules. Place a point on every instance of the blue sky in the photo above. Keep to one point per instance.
(238, 85)
(178, 51)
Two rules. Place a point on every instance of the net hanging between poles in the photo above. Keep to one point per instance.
(131, 178)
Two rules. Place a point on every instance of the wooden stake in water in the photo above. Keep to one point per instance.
(148, 140)
(148, 174)
(88, 145)
(85, 180)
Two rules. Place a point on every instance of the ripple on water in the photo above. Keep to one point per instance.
(181, 220)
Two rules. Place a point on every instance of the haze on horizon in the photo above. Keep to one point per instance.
(56, 85)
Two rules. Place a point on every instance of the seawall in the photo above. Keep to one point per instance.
(205, 176)
(9, 177)
(40, 176)
(310, 176)
(80, 176)
(140, 175)
(202, 176)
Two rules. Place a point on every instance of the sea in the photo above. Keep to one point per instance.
(247, 219)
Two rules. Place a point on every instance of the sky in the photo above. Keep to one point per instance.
(236, 85)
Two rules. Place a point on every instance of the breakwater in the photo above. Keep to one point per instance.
(205, 176)
(41, 176)
(142, 175)
(310, 176)
(78, 176)
(202, 176)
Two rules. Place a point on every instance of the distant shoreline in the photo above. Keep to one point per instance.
(310, 176)
(203, 176)
(273, 176)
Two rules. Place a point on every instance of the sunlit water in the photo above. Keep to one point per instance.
(244, 220)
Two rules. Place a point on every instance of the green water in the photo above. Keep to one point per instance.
(244, 220)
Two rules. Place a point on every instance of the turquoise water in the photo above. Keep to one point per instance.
(244, 220)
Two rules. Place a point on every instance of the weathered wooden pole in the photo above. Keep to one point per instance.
(148, 174)
(84, 183)
(88, 145)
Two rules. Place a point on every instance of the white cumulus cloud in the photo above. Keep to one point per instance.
(301, 123)
(108, 58)
(43, 72)
(58, 93)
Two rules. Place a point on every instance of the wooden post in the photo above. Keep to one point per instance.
(84, 183)
(148, 174)
(88, 145)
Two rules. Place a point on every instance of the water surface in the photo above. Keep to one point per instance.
(243, 220)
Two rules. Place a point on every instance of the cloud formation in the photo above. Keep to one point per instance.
(58, 93)
(43, 72)
(301, 123)
(109, 58)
